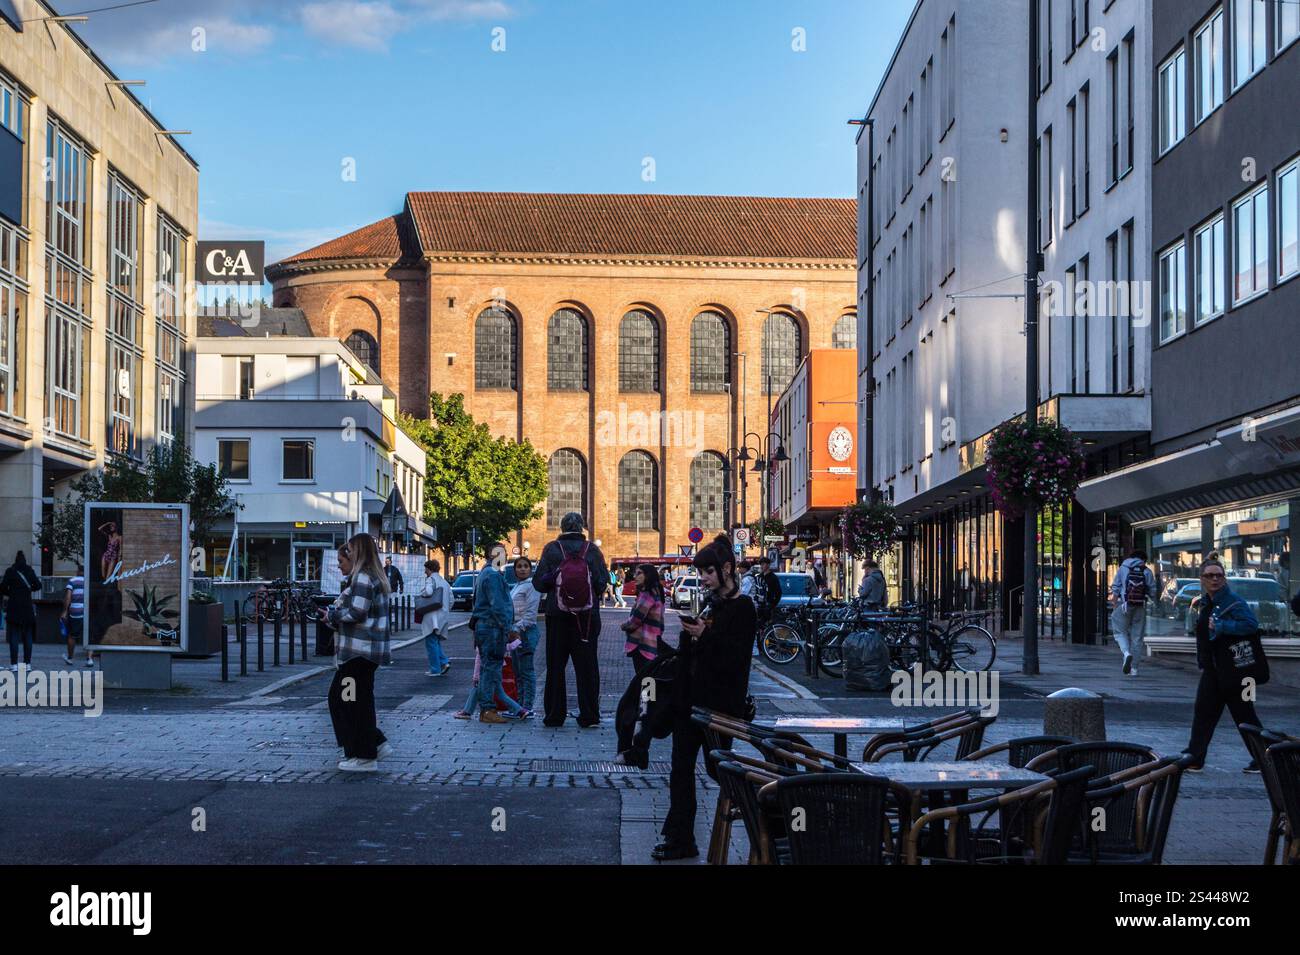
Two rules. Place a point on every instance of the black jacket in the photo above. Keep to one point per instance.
(395, 582)
(553, 554)
(717, 663)
(772, 589)
(18, 584)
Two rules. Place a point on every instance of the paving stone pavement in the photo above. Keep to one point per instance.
(283, 736)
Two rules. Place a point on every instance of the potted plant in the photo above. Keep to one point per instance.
(206, 624)
(868, 530)
(1039, 464)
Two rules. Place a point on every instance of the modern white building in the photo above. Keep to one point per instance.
(306, 434)
(945, 227)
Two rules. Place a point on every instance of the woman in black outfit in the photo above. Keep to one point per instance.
(19, 584)
(713, 673)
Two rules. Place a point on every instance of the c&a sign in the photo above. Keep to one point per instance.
(227, 261)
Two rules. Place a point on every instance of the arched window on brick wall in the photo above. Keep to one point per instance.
(638, 352)
(781, 351)
(566, 475)
(708, 481)
(363, 345)
(566, 351)
(845, 332)
(710, 353)
(495, 353)
(638, 492)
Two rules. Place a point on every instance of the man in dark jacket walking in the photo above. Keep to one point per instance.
(395, 581)
(571, 635)
(18, 585)
(771, 589)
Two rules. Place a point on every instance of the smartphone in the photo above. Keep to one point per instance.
(687, 618)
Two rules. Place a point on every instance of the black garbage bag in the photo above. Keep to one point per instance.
(866, 661)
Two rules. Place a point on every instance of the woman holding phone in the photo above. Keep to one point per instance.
(714, 673)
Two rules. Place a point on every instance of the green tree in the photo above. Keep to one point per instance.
(472, 479)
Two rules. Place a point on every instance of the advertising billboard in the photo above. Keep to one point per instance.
(137, 574)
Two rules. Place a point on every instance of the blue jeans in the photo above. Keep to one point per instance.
(522, 659)
(492, 654)
(437, 655)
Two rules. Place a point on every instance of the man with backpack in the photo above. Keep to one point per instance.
(1133, 586)
(572, 576)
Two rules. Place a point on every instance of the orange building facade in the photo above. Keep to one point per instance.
(628, 338)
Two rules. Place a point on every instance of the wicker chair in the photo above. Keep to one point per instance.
(1258, 740)
(1284, 759)
(1035, 824)
(1021, 750)
(795, 756)
(1153, 795)
(742, 783)
(842, 815)
(918, 730)
(968, 733)
(1113, 763)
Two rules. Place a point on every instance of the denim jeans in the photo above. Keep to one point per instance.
(437, 655)
(522, 659)
(491, 644)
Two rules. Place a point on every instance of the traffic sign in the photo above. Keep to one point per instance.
(695, 535)
(774, 539)
(741, 535)
(687, 550)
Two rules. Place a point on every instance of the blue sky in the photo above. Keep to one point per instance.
(413, 91)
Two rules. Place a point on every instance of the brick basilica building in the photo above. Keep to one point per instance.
(630, 338)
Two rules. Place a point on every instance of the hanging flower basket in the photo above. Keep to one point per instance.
(1039, 464)
(868, 529)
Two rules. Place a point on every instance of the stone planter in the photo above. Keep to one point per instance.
(205, 625)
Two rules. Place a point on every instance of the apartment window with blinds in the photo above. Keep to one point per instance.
(1250, 244)
(1173, 291)
(68, 280)
(566, 485)
(638, 492)
(1207, 55)
(170, 344)
(126, 317)
(1173, 98)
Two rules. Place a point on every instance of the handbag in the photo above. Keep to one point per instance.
(427, 604)
(1241, 658)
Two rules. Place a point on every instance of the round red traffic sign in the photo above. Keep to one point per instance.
(696, 535)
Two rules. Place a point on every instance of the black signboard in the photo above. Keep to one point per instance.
(222, 262)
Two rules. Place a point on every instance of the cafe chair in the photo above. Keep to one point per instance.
(918, 730)
(796, 756)
(1284, 760)
(1136, 838)
(1021, 750)
(1258, 740)
(766, 835)
(1034, 825)
(837, 818)
(969, 735)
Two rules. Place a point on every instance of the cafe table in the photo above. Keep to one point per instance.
(838, 726)
(953, 776)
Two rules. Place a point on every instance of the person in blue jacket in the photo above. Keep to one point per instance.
(1215, 616)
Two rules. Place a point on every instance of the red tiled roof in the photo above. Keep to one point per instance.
(379, 240)
(586, 224)
(602, 224)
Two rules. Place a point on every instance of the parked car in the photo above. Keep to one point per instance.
(1183, 599)
(684, 588)
(1165, 605)
(462, 590)
(1266, 599)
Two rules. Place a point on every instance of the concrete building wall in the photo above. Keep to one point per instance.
(59, 77)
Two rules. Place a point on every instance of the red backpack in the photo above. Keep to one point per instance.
(573, 590)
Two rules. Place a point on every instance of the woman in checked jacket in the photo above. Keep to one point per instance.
(360, 616)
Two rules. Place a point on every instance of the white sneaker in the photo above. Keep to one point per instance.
(358, 765)
(1133, 670)
(385, 750)
(68, 660)
(14, 667)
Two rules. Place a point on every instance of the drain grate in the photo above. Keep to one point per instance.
(596, 766)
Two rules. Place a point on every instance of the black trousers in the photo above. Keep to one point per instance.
(20, 634)
(1212, 695)
(569, 637)
(626, 732)
(355, 724)
(688, 740)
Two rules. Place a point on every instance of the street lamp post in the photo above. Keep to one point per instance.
(1033, 263)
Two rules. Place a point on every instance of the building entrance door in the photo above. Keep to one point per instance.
(307, 562)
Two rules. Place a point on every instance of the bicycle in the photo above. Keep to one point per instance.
(962, 643)
(281, 599)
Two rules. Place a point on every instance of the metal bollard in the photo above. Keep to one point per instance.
(225, 654)
(302, 635)
(241, 626)
(260, 632)
(275, 636)
(292, 635)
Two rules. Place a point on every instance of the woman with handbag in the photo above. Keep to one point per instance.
(1231, 659)
(19, 584)
(431, 611)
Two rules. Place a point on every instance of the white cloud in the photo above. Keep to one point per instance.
(368, 26)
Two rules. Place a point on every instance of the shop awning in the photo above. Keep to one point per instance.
(1255, 460)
